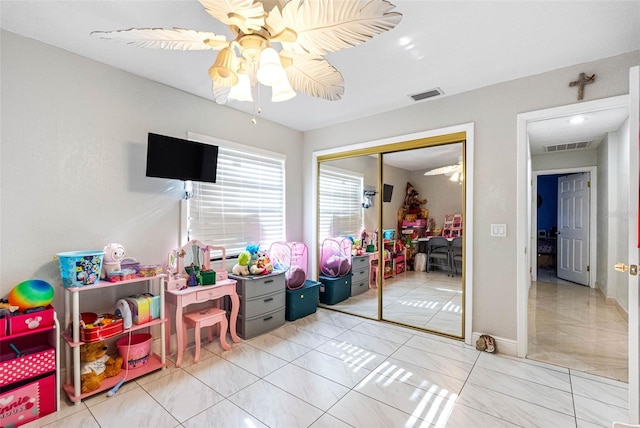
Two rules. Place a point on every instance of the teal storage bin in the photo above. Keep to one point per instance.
(335, 290)
(303, 301)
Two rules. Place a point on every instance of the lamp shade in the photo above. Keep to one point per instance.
(270, 71)
(282, 91)
(241, 91)
(223, 70)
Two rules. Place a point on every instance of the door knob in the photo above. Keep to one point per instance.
(621, 267)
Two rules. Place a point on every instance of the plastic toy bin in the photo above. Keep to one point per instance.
(335, 290)
(302, 301)
(136, 352)
(80, 268)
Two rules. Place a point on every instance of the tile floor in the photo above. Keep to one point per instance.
(335, 370)
(571, 325)
(430, 300)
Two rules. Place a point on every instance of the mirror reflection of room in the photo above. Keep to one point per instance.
(419, 268)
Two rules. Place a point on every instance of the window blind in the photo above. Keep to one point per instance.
(340, 194)
(245, 205)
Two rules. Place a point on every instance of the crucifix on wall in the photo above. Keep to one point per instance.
(583, 80)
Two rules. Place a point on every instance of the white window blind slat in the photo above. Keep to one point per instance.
(340, 201)
(245, 205)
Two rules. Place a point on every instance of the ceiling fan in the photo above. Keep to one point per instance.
(456, 172)
(305, 29)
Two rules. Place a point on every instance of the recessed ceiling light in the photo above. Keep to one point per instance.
(576, 120)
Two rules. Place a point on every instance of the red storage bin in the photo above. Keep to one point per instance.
(3, 326)
(24, 322)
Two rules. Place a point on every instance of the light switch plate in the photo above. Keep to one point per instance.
(499, 230)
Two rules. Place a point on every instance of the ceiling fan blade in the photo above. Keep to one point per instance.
(331, 25)
(444, 170)
(161, 38)
(244, 14)
(314, 76)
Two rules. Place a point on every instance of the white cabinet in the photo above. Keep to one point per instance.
(72, 337)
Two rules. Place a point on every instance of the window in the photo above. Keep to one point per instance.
(340, 203)
(245, 205)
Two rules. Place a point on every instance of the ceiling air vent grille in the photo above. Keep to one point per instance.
(428, 94)
(567, 146)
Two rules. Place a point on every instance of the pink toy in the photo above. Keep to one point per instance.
(113, 255)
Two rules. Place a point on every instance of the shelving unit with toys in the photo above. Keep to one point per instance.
(73, 339)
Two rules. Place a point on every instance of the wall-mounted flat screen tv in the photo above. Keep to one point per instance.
(170, 157)
(387, 193)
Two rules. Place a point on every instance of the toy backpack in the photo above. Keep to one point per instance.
(335, 258)
(290, 257)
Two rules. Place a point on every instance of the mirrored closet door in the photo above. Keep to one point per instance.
(400, 210)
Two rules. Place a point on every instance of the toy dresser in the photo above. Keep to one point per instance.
(335, 290)
(302, 301)
(262, 303)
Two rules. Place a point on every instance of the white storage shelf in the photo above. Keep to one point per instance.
(72, 317)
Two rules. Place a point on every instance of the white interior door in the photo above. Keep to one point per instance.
(573, 228)
(634, 253)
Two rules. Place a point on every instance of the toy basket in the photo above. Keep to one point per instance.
(335, 258)
(290, 257)
(80, 268)
(134, 353)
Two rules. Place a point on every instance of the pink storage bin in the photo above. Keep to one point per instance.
(135, 353)
(335, 258)
(292, 258)
(38, 360)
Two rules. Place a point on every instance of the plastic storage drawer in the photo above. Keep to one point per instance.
(262, 304)
(303, 301)
(360, 287)
(335, 290)
(252, 327)
(360, 262)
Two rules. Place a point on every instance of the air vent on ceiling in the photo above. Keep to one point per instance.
(567, 146)
(428, 94)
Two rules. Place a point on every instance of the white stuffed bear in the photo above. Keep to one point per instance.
(113, 255)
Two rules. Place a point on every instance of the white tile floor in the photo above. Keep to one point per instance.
(335, 370)
(572, 326)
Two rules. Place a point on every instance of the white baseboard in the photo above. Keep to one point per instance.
(503, 346)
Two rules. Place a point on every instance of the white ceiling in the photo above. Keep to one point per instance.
(454, 45)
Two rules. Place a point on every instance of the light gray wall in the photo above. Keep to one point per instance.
(493, 110)
(603, 232)
(443, 195)
(570, 159)
(73, 152)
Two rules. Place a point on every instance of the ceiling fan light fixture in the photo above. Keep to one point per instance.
(270, 71)
(223, 70)
(241, 91)
(282, 91)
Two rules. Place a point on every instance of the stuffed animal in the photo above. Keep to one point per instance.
(253, 249)
(242, 267)
(113, 255)
(262, 266)
(96, 366)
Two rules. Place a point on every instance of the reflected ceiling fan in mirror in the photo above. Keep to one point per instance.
(455, 172)
(306, 30)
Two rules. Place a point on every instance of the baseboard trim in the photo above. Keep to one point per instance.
(613, 301)
(503, 345)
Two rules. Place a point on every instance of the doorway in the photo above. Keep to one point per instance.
(529, 283)
(544, 230)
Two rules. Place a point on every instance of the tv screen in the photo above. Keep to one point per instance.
(387, 193)
(169, 157)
